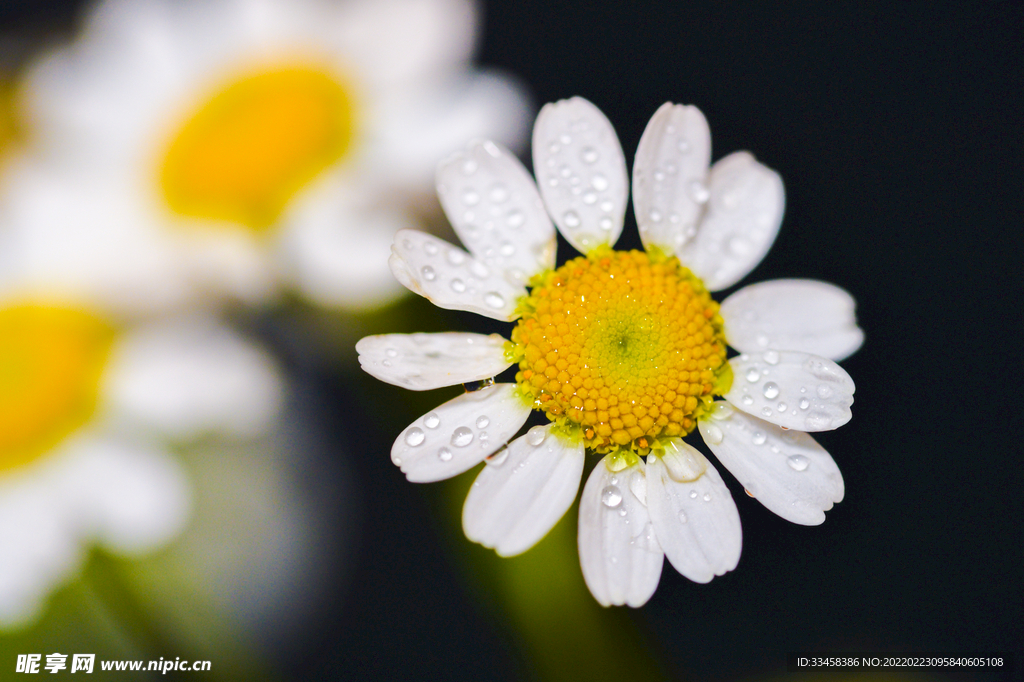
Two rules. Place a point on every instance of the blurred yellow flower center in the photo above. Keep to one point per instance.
(626, 347)
(50, 365)
(251, 147)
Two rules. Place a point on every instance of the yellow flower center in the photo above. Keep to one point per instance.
(624, 346)
(50, 365)
(251, 147)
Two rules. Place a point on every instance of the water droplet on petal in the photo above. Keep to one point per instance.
(599, 182)
(605, 223)
(469, 167)
(458, 286)
(571, 219)
(771, 390)
(748, 400)
(415, 436)
(498, 458)
(494, 300)
(428, 273)
(753, 374)
(824, 391)
(444, 454)
(536, 435)
(693, 494)
(798, 462)
(707, 497)
(589, 155)
(462, 437)
(590, 198)
(431, 421)
(699, 192)
(654, 215)
(771, 356)
(470, 198)
(430, 248)
(759, 438)
(682, 516)
(482, 422)
(498, 193)
(781, 407)
(766, 411)
(611, 496)
(804, 404)
(713, 434)
(515, 218)
(683, 147)
(391, 353)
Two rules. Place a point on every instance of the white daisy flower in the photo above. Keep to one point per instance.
(241, 145)
(625, 352)
(86, 412)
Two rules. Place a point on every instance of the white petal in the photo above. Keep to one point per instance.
(670, 175)
(190, 376)
(493, 204)
(425, 361)
(451, 278)
(695, 519)
(581, 172)
(795, 314)
(619, 552)
(743, 215)
(519, 497)
(792, 389)
(336, 253)
(133, 497)
(459, 434)
(786, 471)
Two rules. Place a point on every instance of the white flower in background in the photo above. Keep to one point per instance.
(623, 351)
(186, 148)
(86, 410)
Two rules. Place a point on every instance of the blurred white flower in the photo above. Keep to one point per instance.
(86, 413)
(230, 147)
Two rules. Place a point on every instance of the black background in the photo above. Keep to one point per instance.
(897, 128)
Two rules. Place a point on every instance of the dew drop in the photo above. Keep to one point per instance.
(386, 363)
(753, 374)
(611, 496)
(589, 155)
(699, 192)
(536, 435)
(407, 244)
(824, 391)
(748, 400)
(782, 407)
(682, 516)
(444, 454)
(431, 421)
(391, 353)
(470, 198)
(599, 182)
(571, 219)
(693, 494)
(430, 248)
(415, 436)
(397, 460)
(771, 390)
(458, 286)
(482, 422)
(564, 138)
(494, 300)
(683, 147)
(707, 497)
(622, 512)
(798, 462)
(771, 356)
(805, 403)
(469, 167)
(766, 411)
(565, 171)
(605, 223)
(515, 218)
(507, 249)
(759, 438)
(428, 273)
(498, 193)
(713, 434)
(590, 198)
(654, 215)
(462, 437)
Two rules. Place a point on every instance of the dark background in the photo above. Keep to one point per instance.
(897, 128)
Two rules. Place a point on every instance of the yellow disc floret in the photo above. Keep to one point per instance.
(625, 346)
(51, 361)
